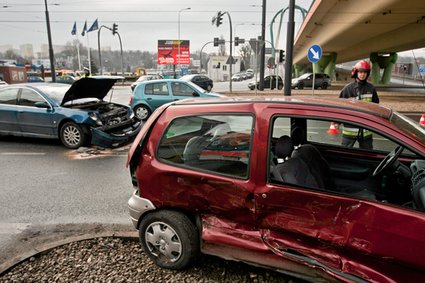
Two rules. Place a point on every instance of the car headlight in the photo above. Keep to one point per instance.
(95, 118)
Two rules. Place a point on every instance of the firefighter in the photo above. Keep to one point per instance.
(362, 90)
(87, 73)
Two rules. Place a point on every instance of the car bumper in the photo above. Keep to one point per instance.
(109, 140)
(137, 206)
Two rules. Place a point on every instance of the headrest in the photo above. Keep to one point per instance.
(284, 147)
(297, 135)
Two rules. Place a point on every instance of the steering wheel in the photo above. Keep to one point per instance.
(388, 160)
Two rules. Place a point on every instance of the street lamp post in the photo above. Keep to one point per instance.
(49, 37)
(178, 57)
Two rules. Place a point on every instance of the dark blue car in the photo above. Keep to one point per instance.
(76, 114)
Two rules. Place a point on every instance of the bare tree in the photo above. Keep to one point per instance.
(246, 53)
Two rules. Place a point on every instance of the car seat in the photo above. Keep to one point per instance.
(312, 156)
(320, 168)
(292, 170)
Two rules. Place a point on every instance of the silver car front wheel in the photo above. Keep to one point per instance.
(72, 135)
(169, 238)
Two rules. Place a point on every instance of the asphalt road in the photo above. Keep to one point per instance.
(43, 182)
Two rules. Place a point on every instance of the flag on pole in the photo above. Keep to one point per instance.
(94, 26)
(83, 33)
(74, 29)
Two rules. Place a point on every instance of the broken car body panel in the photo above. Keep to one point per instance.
(308, 232)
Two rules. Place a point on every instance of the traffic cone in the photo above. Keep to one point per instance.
(422, 120)
(332, 129)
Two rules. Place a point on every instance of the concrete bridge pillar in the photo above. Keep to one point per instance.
(379, 62)
(298, 70)
(326, 64)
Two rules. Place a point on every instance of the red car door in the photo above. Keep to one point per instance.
(365, 238)
(346, 236)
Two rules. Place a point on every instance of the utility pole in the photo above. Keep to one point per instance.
(49, 36)
(263, 48)
(289, 49)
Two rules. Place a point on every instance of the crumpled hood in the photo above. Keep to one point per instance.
(92, 87)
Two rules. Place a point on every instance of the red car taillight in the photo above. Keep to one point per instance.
(131, 99)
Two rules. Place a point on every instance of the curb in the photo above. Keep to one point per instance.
(43, 243)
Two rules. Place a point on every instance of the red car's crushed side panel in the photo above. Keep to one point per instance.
(230, 240)
(339, 231)
(227, 232)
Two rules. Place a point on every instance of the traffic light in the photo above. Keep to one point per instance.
(239, 41)
(216, 41)
(114, 28)
(281, 56)
(219, 18)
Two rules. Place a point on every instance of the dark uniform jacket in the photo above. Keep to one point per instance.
(361, 90)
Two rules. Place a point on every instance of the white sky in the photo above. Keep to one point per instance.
(140, 22)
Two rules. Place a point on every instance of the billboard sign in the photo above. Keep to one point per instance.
(168, 52)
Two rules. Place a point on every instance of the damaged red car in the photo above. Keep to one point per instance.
(268, 181)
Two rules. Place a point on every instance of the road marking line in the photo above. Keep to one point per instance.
(22, 153)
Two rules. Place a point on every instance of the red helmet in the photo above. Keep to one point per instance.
(362, 66)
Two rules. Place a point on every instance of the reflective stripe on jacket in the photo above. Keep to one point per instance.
(354, 132)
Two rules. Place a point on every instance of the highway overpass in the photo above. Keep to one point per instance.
(348, 30)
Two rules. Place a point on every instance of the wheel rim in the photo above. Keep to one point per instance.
(72, 135)
(142, 112)
(163, 242)
(209, 88)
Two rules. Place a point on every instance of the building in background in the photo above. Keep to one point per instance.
(218, 67)
(26, 50)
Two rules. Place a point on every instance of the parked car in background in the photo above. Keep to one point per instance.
(269, 82)
(76, 114)
(3, 82)
(35, 79)
(249, 73)
(259, 180)
(201, 80)
(145, 78)
(236, 78)
(306, 80)
(65, 79)
(149, 95)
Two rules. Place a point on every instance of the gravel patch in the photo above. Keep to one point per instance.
(122, 260)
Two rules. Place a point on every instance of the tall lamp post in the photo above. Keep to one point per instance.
(49, 36)
(178, 54)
